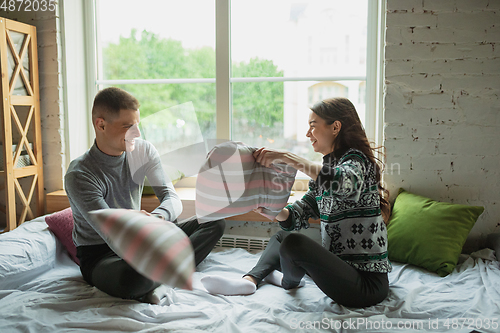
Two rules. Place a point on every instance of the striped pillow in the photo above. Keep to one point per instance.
(156, 248)
(231, 182)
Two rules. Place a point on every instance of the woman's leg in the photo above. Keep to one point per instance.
(338, 280)
(268, 262)
(493, 242)
(270, 258)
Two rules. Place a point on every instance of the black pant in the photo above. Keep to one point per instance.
(103, 268)
(296, 255)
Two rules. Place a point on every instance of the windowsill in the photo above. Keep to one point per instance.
(57, 201)
(301, 183)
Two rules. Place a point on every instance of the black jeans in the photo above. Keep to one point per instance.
(104, 269)
(296, 255)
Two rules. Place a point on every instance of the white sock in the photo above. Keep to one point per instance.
(156, 295)
(275, 278)
(224, 286)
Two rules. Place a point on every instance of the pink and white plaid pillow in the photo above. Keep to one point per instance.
(231, 182)
(156, 248)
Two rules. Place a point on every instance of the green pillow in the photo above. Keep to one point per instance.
(429, 233)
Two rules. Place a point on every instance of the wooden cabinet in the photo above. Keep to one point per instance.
(21, 167)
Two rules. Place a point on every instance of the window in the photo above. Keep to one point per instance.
(152, 51)
(250, 69)
(272, 47)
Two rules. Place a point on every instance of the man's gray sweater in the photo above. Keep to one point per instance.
(96, 180)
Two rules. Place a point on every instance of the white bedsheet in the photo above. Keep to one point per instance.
(56, 299)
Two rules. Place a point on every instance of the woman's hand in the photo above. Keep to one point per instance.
(282, 216)
(258, 210)
(267, 156)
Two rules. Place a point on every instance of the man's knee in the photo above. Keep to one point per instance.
(122, 281)
(218, 227)
(133, 284)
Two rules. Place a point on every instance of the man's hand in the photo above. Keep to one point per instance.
(144, 212)
(149, 214)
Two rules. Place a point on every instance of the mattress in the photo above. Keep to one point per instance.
(41, 290)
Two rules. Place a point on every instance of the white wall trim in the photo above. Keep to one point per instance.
(380, 90)
(90, 21)
(74, 64)
(374, 68)
(223, 68)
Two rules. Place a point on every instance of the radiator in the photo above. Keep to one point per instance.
(243, 242)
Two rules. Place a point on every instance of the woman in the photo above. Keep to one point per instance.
(345, 192)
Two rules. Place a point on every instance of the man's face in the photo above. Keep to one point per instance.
(119, 133)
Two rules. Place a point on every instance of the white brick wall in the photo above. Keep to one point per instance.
(51, 108)
(442, 111)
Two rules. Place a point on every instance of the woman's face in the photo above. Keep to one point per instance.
(321, 134)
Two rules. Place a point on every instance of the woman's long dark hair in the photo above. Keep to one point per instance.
(352, 135)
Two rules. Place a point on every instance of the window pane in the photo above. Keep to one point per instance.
(289, 38)
(258, 113)
(156, 39)
(154, 98)
(267, 113)
(300, 38)
(179, 120)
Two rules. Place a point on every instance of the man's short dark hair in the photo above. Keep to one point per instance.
(108, 103)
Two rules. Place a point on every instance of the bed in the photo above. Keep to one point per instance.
(41, 290)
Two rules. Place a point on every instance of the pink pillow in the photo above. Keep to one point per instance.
(158, 249)
(61, 224)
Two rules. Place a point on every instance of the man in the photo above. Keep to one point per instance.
(111, 175)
